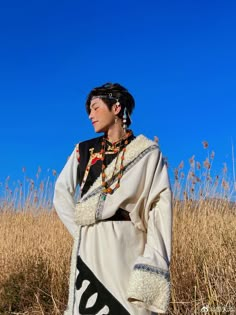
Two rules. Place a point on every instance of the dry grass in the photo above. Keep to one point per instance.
(34, 263)
(204, 257)
(35, 253)
(35, 247)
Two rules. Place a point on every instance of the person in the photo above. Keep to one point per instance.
(122, 220)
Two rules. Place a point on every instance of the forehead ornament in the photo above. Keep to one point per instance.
(107, 96)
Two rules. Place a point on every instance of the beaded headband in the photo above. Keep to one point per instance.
(109, 96)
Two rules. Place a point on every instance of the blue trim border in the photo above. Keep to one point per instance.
(152, 269)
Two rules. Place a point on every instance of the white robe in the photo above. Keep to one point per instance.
(128, 260)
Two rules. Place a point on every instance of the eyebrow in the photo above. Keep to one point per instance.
(92, 105)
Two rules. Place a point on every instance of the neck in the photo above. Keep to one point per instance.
(116, 134)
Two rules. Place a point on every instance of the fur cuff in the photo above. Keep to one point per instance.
(85, 211)
(149, 287)
(89, 211)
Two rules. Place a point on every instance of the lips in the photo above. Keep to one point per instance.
(94, 122)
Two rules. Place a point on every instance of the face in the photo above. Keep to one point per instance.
(102, 118)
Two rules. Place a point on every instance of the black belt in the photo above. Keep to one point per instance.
(120, 215)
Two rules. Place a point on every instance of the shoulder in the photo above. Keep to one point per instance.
(142, 142)
(87, 144)
(142, 149)
(91, 142)
(82, 148)
(150, 148)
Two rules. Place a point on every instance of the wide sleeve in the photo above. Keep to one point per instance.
(64, 193)
(149, 284)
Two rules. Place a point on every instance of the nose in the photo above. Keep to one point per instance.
(91, 115)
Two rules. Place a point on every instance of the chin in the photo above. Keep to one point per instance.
(99, 130)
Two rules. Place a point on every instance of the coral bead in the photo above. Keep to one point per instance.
(109, 190)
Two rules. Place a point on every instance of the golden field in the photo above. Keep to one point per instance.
(35, 250)
(35, 253)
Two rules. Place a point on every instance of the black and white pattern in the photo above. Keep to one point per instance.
(104, 299)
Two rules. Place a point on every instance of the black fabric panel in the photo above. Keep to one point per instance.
(120, 215)
(85, 154)
(104, 297)
(95, 170)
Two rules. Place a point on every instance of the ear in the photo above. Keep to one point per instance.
(116, 108)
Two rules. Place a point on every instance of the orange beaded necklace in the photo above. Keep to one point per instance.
(107, 189)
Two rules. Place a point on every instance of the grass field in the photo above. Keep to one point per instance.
(35, 254)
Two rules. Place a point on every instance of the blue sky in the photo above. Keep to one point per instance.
(177, 58)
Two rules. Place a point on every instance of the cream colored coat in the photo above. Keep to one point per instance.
(131, 258)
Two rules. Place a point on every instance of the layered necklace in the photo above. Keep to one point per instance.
(116, 147)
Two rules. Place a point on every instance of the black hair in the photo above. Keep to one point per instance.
(111, 93)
